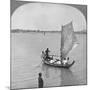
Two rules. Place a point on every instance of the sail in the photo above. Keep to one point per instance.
(68, 39)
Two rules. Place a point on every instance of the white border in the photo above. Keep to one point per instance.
(5, 44)
(61, 1)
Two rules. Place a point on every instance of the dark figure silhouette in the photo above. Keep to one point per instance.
(68, 58)
(47, 54)
(40, 81)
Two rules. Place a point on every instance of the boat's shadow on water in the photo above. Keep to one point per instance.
(65, 76)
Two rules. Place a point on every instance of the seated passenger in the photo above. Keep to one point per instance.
(65, 61)
(68, 58)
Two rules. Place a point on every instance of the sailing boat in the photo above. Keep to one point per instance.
(68, 42)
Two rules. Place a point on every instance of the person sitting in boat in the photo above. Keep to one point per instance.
(65, 61)
(68, 59)
(47, 54)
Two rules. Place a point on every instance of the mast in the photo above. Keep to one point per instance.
(61, 43)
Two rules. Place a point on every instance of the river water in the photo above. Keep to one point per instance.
(26, 61)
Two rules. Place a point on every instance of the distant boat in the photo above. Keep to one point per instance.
(68, 42)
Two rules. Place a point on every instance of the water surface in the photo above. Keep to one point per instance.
(26, 61)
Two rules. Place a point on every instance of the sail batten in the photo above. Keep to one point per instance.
(68, 39)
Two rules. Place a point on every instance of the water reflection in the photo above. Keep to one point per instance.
(45, 70)
(50, 71)
(58, 76)
(67, 77)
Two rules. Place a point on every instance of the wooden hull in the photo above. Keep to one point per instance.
(58, 65)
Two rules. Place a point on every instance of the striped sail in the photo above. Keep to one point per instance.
(68, 39)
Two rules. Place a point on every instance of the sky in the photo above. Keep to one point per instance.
(47, 17)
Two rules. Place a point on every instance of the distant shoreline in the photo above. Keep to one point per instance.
(38, 31)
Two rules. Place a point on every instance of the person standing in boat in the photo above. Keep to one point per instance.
(47, 53)
(40, 81)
